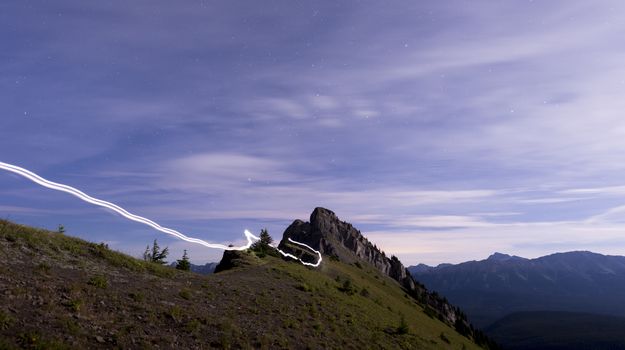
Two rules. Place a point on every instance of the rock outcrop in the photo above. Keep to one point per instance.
(231, 259)
(340, 240)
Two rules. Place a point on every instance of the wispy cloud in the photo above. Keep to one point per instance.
(467, 127)
(609, 191)
(550, 200)
(614, 215)
(524, 239)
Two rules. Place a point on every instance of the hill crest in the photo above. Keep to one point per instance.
(61, 292)
(341, 241)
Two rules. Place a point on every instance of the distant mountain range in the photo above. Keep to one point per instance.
(205, 269)
(502, 284)
(560, 301)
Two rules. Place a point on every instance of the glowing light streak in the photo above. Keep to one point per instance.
(298, 259)
(123, 212)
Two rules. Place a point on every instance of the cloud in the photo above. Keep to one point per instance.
(412, 119)
(550, 200)
(284, 108)
(323, 103)
(424, 222)
(475, 243)
(609, 191)
(203, 169)
(24, 210)
(613, 215)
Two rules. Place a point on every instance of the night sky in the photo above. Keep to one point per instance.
(444, 130)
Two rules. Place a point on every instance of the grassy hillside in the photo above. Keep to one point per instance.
(557, 330)
(61, 292)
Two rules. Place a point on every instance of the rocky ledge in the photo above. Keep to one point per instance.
(337, 239)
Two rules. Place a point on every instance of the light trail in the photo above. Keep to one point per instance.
(298, 259)
(123, 212)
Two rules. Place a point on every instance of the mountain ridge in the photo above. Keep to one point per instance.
(487, 290)
(341, 241)
(205, 269)
(60, 292)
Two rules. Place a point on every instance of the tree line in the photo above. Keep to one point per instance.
(155, 254)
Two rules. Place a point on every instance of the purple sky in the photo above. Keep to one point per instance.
(445, 131)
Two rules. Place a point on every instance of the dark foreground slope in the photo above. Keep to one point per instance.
(552, 330)
(62, 292)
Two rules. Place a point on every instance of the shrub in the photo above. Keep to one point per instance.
(175, 313)
(185, 294)
(5, 320)
(402, 328)
(44, 267)
(461, 327)
(430, 312)
(184, 264)
(98, 281)
(444, 338)
(303, 287)
(138, 296)
(347, 287)
(193, 326)
(74, 305)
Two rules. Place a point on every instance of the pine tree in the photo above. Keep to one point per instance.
(265, 238)
(263, 246)
(184, 264)
(155, 255)
(146, 254)
(156, 250)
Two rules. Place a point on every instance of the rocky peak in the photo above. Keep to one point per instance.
(332, 237)
(232, 259)
(499, 257)
(326, 233)
(340, 240)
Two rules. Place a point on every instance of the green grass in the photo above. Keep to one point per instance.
(5, 320)
(36, 340)
(372, 321)
(74, 305)
(185, 294)
(58, 245)
(262, 303)
(99, 281)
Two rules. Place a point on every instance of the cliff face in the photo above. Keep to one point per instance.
(339, 239)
